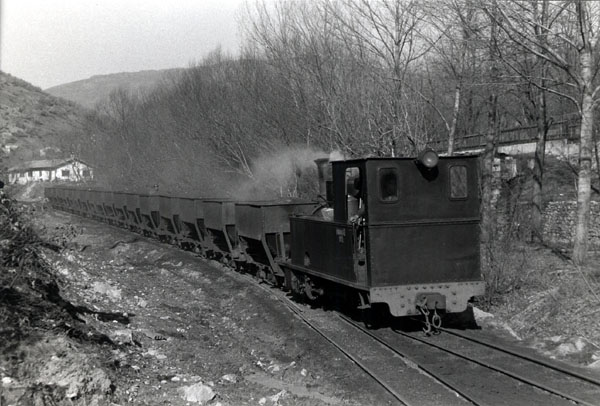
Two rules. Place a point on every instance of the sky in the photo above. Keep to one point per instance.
(51, 42)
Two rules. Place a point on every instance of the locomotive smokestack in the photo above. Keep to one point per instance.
(325, 179)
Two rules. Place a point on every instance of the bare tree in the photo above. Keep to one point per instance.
(119, 112)
(491, 137)
(389, 37)
(532, 80)
(577, 35)
(541, 14)
(456, 35)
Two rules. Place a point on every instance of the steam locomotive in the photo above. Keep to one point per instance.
(400, 235)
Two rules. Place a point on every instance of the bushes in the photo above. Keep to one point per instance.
(504, 259)
(24, 273)
(18, 241)
(504, 267)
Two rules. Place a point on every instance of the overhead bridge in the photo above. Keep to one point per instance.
(561, 135)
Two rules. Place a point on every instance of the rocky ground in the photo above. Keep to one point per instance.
(133, 321)
(549, 304)
(161, 326)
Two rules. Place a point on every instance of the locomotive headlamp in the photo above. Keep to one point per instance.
(428, 158)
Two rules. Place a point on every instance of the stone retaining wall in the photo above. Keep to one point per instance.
(559, 223)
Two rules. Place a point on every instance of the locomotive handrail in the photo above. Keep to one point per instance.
(423, 222)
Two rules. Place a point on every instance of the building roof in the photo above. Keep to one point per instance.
(43, 164)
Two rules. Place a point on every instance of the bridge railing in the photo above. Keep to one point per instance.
(567, 129)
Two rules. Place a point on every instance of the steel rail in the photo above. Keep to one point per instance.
(407, 357)
(513, 375)
(535, 360)
(294, 308)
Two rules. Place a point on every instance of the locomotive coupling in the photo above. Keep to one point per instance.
(432, 300)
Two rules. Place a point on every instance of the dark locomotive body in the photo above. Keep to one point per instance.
(400, 234)
(396, 231)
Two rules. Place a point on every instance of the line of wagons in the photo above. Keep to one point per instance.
(255, 235)
(397, 234)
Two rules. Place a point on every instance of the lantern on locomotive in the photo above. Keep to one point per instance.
(399, 232)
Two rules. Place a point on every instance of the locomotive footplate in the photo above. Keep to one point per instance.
(403, 300)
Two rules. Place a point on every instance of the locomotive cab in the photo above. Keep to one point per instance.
(404, 232)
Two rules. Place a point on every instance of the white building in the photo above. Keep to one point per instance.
(46, 170)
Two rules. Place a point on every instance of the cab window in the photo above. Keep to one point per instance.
(388, 184)
(458, 182)
(353, 181)
(354, 203)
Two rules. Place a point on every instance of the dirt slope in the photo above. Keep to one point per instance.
(34, 124)
(160, 326)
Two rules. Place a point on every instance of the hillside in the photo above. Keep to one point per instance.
(90, 91)
(34, 124)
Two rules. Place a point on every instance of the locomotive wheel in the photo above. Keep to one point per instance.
(312, 291)
(280, 281)
(296, 282)
(240, 266)
(372, 315)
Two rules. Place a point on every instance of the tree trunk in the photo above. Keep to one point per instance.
(540, 15)
(538, 169)
(584, 190)
(487, 213)
(464, 47)
(455, 110)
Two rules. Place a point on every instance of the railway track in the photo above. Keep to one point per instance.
(463, 368)
(381, 363)
(488, 373)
